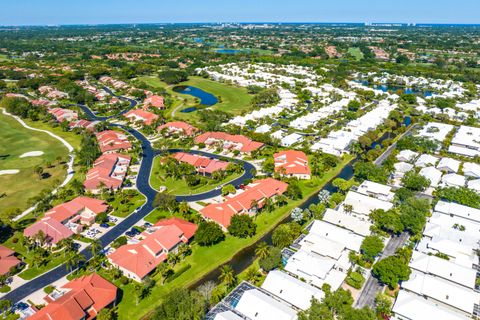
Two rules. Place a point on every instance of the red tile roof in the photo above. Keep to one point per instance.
(186, 128)
(141, 115)
(154, 101)
(86, 296)
(238, 142)
(7, 260)
(187, 228)
(54, 230)
(109, 169)
(110, 140)
(291, 162)
(90, 126)
(201, 164)
(67, 210)
(141, 258)
(258, 190)
(63, 114)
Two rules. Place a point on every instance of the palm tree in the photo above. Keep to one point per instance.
(96, 247)
(165, 270)
(262, 250)
(74, 260)
(269, 204)
(254, 205)
(252, 275)
(227, 275)
(183, 208)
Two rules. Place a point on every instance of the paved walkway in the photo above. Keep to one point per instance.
(70, 171)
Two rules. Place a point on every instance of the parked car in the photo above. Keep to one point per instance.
(105, 225)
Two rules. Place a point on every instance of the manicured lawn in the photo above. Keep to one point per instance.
(53, 261)
(233, 99)
(205, 259)
(124, 205)
(3, 57)
(17, 140)
(356, 53)
(180, 187)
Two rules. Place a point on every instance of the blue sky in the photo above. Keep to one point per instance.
(41, 12)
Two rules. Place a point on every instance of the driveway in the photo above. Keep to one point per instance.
(373, 286)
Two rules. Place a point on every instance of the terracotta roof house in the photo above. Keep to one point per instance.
(63, 114)
(141, 115)
(154, 101)
(241, 203)
(111, 141)
(229, 141)
(80, 209)
(178, 127)
(187, 228)
(7, 260)
(79, 299)
(108, 170)
(292, 163)
(85, 124)
(54, 230)
(137, 260)
(203, 165)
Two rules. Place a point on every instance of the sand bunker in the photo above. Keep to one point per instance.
(12, 171)
(31, 154)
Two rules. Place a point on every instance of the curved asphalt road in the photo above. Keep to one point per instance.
(143, 185)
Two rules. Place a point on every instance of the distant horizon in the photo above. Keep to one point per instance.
(91, 12)
(366, 24)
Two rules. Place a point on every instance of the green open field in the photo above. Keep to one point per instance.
(356, 53)
(205, 259)
(232, 99)
(3, 57)
(16, 189)
(180, 187)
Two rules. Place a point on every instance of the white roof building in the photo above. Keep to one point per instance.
(358, 224)
(432, 174)
(447, 292)
(410, 306)
(263, 128)
(466, 141)
(471, 170)
(458, 210)
(346, 238)
(436, 131)
(407, 155)
(453, 180)
(291, 289)
(474, 185)
(291, 139)
(227, 315)
(449, 165)
(426, 160)
(363, 204)
(402, 167)
(255, 304)
(316, 269)
(376, 190)
(443, 268)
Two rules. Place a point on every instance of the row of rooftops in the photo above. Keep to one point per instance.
(321, 257)
(444, 288)
(109, 171)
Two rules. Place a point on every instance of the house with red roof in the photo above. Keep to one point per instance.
(84, 124)
(203, 165)
(66, 219)
(53, 230)
(108, 171)
(111, 141)
(80, 299)
(292, 163)
(146, 117)
(137, 260)
(8, 260)
(179, 127)
(244, 201)
(63, 114)
(229, 141)
(154, 101)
